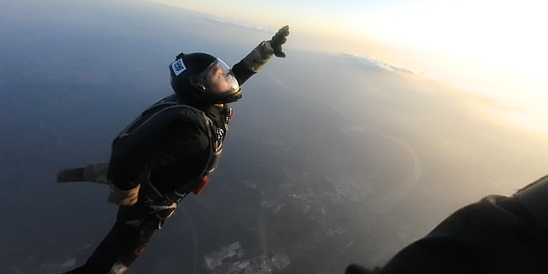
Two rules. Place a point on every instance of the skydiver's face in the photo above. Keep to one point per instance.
(217, 80)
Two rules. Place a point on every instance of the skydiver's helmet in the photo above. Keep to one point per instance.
(205, 78)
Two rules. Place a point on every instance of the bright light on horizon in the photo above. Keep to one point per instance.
(493, 48)
(492, 33)
(502, 35)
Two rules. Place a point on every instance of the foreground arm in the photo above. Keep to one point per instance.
(496, 235)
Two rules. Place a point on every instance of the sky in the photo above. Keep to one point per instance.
(386, 148)
(493, 48)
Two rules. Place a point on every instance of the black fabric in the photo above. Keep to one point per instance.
(177, 155)
(180, 140)
(495, 235)
(124, 242)
(357, 269)
(241, 73)
(188, 148)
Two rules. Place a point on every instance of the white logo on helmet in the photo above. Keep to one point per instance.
(178, 67)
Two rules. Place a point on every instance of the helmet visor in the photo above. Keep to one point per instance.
(218, 78)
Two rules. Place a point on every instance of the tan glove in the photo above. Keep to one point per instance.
(123, 197)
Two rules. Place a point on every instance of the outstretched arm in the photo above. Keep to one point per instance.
(260, 55)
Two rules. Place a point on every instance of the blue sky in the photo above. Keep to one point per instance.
(495, 48)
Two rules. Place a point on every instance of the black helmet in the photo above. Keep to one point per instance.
(204, 77)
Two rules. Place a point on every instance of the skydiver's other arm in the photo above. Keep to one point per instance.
(495, 235)
(98, 173)
(175, 158)
(260, 55)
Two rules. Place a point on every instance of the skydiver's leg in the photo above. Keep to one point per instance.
(124, 242)
(118, 250)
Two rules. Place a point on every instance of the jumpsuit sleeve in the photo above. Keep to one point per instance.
(253, 62)
(242, 73)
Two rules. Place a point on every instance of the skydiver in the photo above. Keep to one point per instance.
(168, 151)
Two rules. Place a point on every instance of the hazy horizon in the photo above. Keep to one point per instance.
(332, 157)
(470, 45)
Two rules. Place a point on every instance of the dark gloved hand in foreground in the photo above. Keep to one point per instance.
(498, 234)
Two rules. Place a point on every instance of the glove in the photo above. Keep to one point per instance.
(123, 197)
(278, 40)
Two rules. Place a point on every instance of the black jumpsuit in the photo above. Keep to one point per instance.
(170, 160)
